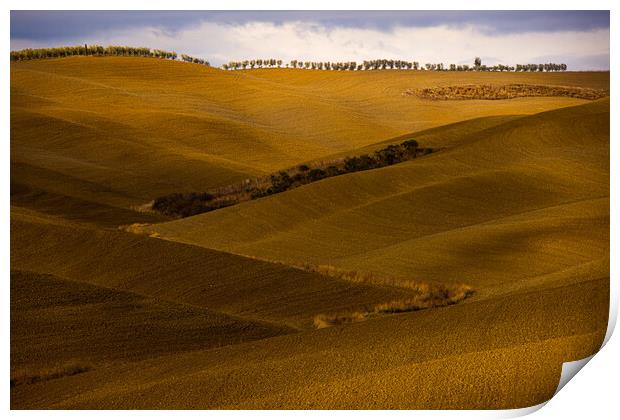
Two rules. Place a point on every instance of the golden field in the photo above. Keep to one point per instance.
(216, 310)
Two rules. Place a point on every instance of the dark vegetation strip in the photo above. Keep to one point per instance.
(510, 91)
(189, 204)
(98, 50)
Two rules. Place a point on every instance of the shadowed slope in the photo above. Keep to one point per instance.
(498, 353)
(56, 321)
(181, 273)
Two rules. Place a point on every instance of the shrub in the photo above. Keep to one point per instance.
(316, 174)
(332, 171)
(390, 155)
(280, 182)
(410, 145)
(182, 204)
(359, 163)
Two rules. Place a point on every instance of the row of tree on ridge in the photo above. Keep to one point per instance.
(112, 50)
(385, 64)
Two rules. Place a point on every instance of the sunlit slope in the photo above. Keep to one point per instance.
(55, 321)
(497, 353)
(136, 128)
(182, 274)
(521, 199)
(437, 138)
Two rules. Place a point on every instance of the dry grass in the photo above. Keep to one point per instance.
(26, 376)
(509, 91)
(136, 228)
(348, 275)
(427, 296)
(432, 296)
(359, 276)
(324, 321)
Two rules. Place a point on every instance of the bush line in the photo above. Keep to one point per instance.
(189, 204)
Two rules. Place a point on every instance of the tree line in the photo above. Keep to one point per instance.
(257, 63)
(190, 59)
(189, 204)
(384, 64)
(381, 64)
(542, 67)
(98, 50)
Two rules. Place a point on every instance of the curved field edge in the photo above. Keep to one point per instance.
(539, 162)
(184, 274)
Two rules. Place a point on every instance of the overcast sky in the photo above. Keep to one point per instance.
(577, 38)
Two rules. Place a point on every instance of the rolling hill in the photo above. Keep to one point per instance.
(513, 191)
(216, 310)
(115, 132)
(517, 209)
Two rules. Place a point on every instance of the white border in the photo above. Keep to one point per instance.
(591, 394)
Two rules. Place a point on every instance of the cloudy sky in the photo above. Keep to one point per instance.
(577, 38)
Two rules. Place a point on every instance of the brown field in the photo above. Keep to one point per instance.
(476, 270)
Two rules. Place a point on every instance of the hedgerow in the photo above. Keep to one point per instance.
(189, 204)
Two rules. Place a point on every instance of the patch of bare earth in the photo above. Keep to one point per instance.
(509, 91)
